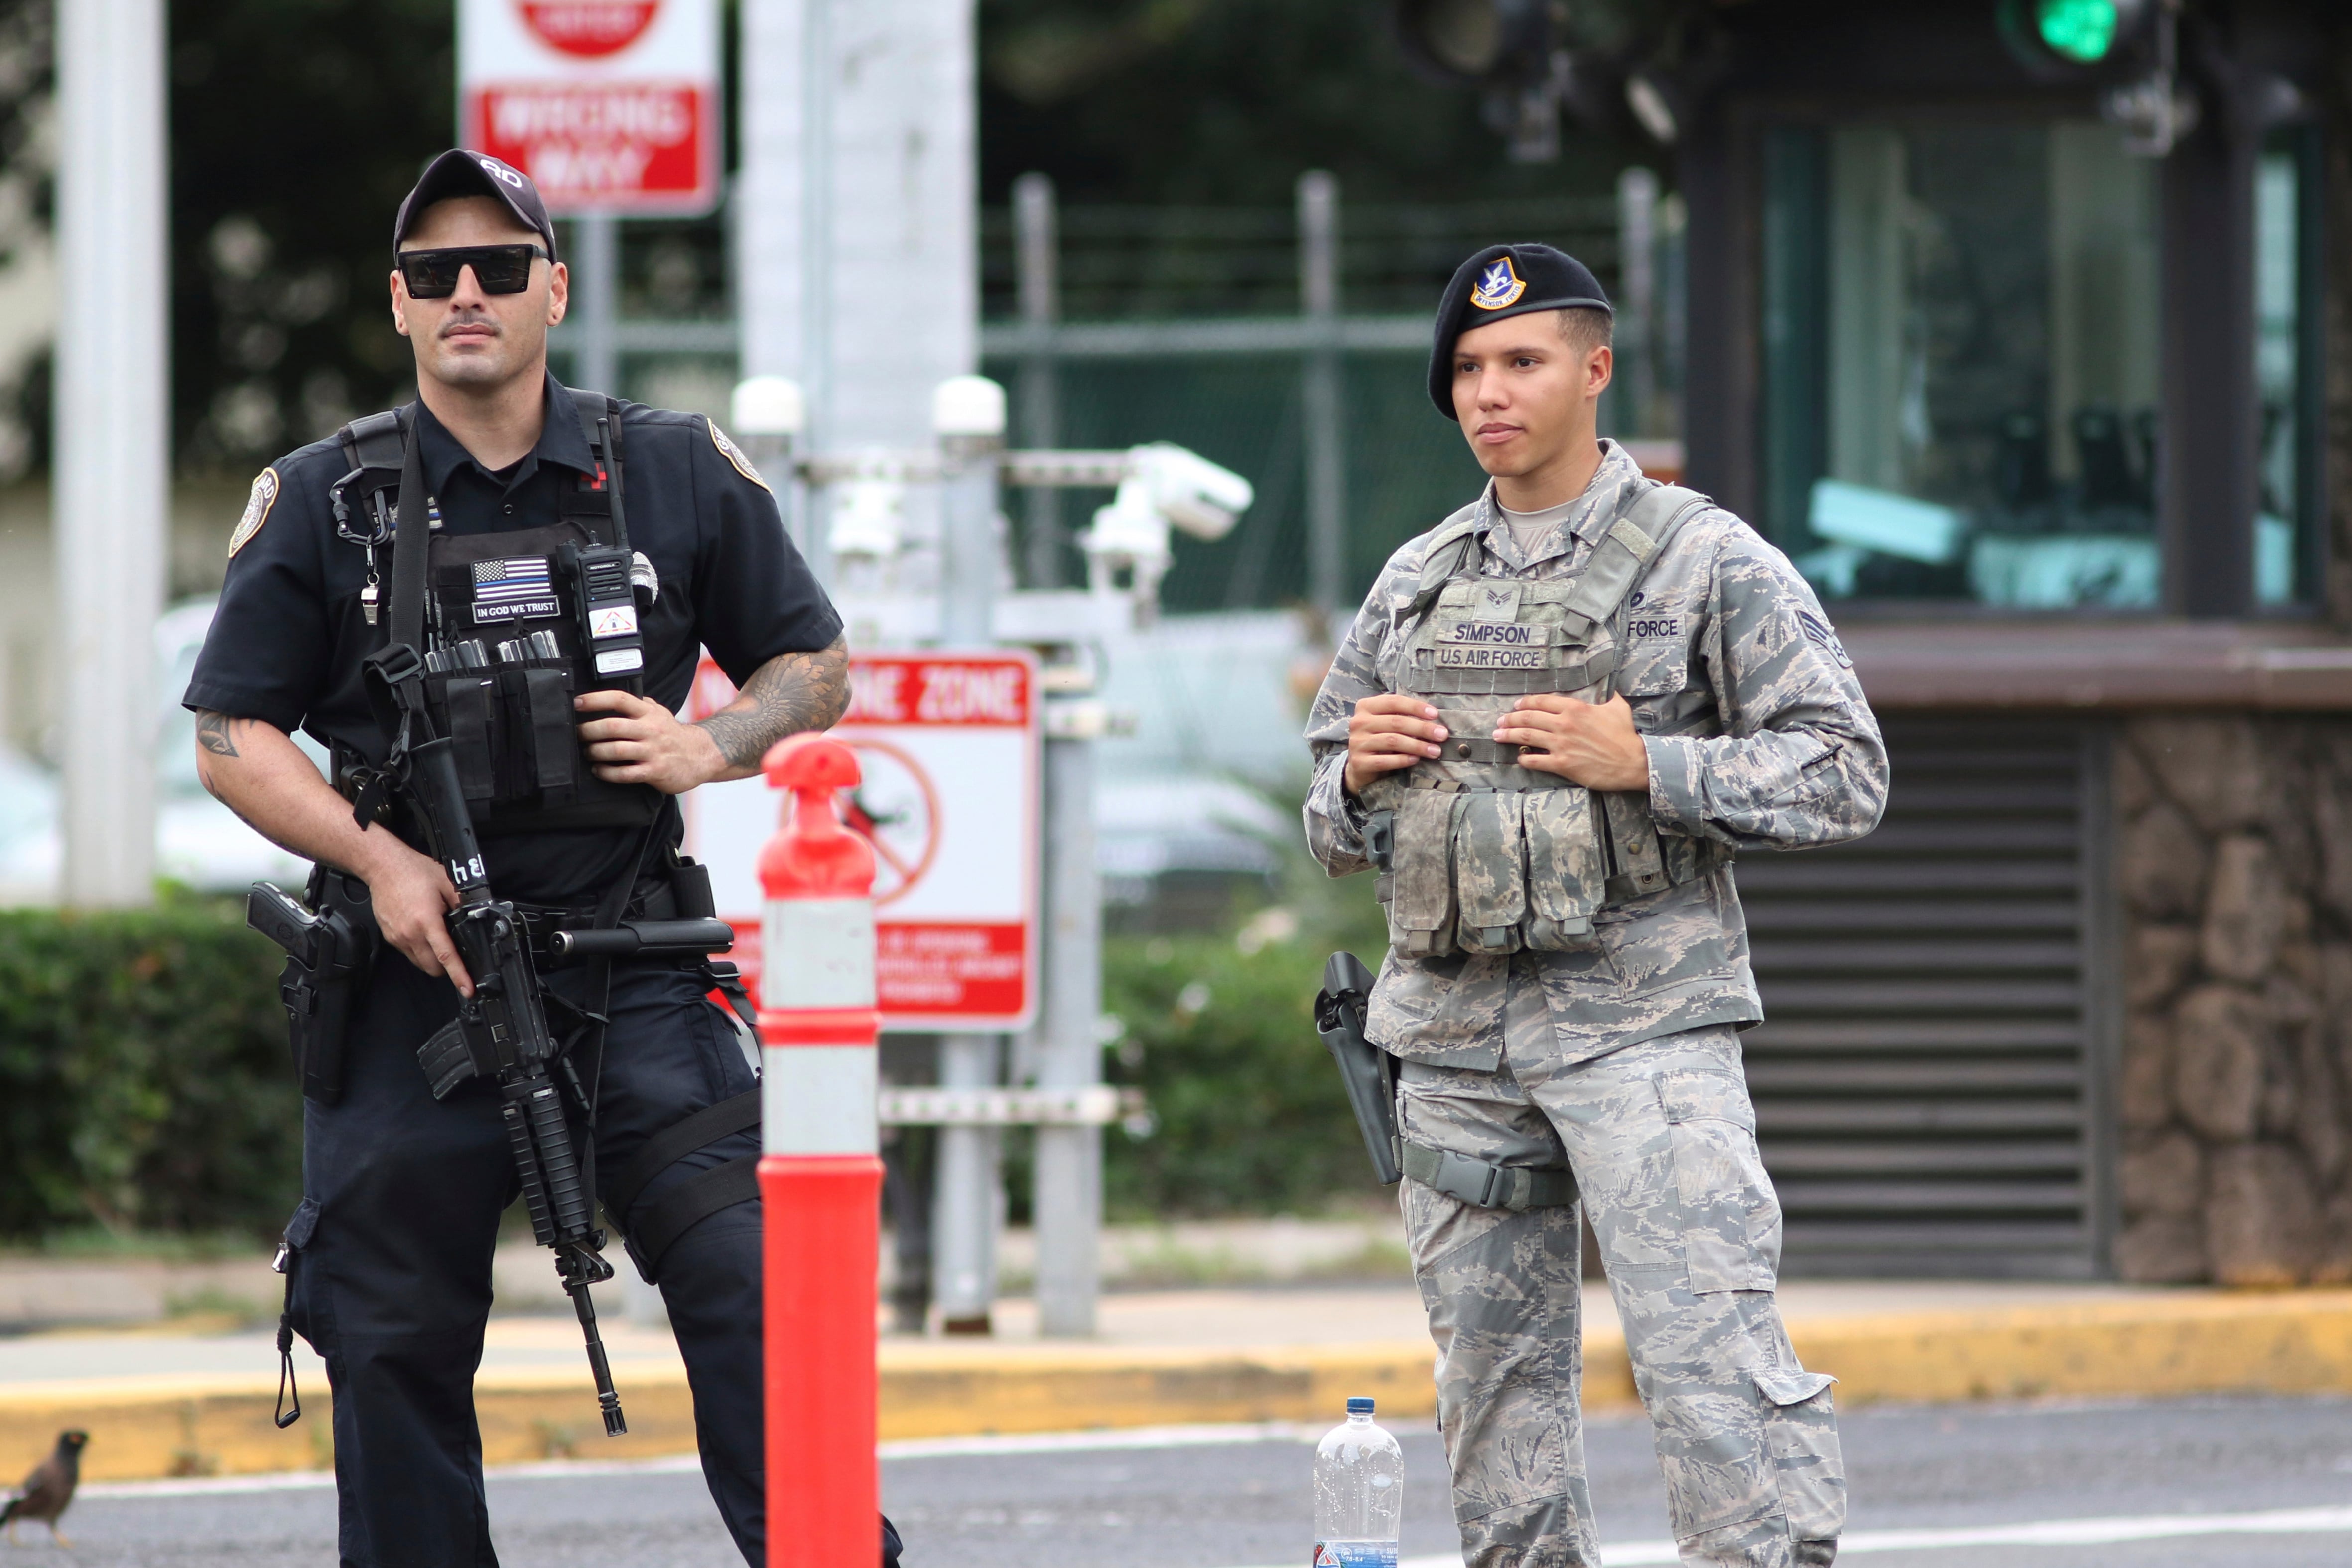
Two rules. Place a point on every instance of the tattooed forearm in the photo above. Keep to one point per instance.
(789, 693)
(214, 733)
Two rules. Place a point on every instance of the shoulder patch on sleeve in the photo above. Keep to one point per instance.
(257, 503)
(729, 450)
(1817, 632)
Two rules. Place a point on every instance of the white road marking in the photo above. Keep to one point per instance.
(1193, 1436)
(2043, 1532)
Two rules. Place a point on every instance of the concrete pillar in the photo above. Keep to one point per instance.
(113, 446)
(858, 263)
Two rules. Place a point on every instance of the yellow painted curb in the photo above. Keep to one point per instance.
(2201, 1343)
(2209, 1342)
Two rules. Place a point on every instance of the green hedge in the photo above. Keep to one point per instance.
(1247, 1114)
(143, 1075)
(144, 1085)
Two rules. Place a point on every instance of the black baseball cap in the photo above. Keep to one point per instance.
(458, 173)
(1500, 281)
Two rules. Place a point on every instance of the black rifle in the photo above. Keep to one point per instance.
(500, 1031)
(1368, 1072)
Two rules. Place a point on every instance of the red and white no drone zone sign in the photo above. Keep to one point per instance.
(948, 750)
(608, 105)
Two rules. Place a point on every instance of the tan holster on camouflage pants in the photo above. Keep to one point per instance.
(1661, 1140)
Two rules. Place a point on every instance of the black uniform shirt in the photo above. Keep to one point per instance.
(287, 641)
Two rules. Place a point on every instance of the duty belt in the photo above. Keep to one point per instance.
(1486, 1185)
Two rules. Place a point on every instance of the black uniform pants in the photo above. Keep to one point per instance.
(391, 1268)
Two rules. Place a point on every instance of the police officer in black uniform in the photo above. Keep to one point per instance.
(573, 757)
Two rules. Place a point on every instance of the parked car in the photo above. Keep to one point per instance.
(198, 841)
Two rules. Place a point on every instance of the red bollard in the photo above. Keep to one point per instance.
(819, 1174)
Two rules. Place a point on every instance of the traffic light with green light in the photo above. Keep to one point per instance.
(2071, 37)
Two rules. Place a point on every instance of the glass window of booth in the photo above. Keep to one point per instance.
(2288, 539)
(1961, 343)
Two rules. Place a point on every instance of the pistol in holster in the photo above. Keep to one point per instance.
(1368, 1072)
(331, 948)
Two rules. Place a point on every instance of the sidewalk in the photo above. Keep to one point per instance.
(162, 1401)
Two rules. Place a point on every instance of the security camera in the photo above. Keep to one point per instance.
(1196, 495)
(866, 520)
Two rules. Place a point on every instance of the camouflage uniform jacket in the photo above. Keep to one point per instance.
(1758, 737)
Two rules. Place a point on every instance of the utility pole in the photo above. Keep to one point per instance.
(1325, 424)
(113, 444)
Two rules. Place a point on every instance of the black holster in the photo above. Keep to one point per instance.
(1368, 1072)
(331, 952)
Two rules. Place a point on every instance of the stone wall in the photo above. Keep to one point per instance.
(2234, 864)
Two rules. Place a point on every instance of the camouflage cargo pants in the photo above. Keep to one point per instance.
(1662, 1139)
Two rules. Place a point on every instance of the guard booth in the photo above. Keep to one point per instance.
(2014, 333)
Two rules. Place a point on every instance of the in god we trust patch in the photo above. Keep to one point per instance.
(728, 450)
(257, 503)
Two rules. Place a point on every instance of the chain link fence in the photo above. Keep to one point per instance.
(1200, 325)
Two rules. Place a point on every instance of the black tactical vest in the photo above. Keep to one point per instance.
(512, 625)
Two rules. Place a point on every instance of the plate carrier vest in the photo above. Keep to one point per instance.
(1477, 854)
(498, 690)
(517, 745)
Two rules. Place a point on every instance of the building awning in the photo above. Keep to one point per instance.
(2092, 665)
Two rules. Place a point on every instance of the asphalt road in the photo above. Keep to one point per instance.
(1946, 1487)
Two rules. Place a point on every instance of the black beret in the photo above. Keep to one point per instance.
(1505, 280)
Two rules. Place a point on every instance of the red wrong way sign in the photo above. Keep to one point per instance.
(949, 747)
(608, 105)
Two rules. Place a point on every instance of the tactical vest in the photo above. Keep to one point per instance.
(512, 625)
(1477, 854)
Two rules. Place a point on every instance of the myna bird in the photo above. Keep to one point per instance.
(47, 1491)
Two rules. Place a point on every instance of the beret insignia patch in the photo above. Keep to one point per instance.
(257, 503)
(729, 450)
(1500, 286)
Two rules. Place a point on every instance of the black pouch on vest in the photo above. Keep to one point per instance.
(515, 732)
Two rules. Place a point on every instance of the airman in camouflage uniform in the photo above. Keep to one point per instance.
(1610, 1050)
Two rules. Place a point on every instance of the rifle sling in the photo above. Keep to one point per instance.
(410, 545)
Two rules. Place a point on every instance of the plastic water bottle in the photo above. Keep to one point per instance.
(1359, 1493)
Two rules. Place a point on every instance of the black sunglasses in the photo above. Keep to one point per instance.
(498, 269)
